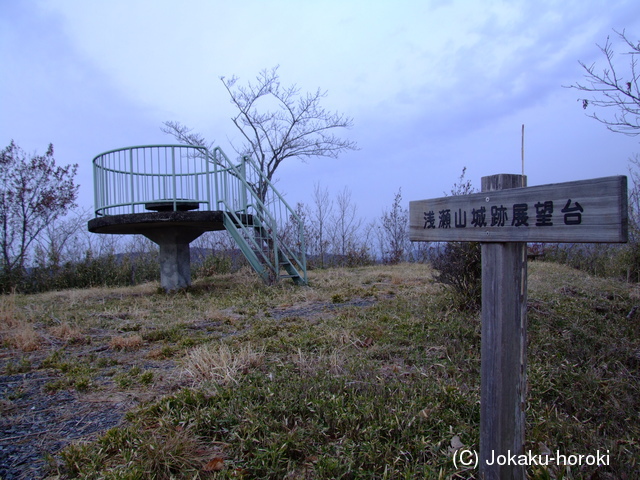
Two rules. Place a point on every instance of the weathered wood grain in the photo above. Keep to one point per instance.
(503, 350)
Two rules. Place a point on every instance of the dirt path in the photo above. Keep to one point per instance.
(35, 423)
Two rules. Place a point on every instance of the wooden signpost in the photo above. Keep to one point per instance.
(504, 217)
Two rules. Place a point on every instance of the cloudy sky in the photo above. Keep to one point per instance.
(432, 85)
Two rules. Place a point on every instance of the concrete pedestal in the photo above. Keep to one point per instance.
(172, 231)
(175, 259)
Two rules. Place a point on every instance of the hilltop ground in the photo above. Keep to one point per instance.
(368, 373)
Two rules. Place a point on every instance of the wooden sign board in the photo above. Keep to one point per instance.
(588, 211)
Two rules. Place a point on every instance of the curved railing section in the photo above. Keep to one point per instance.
(161, 178)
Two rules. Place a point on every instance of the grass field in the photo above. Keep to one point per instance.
(368, 373)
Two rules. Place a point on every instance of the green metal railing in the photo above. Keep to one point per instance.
(128, 180)
(183, 177)
(273, 237)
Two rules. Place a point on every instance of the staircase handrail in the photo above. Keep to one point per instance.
(239, 171)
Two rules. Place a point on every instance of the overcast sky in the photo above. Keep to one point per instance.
(432, 85)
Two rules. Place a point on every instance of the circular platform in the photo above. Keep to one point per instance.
(141, 223)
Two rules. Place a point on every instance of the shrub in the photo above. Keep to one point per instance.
(106, 270)
(459, 265)
(603, 260)
(214, 264)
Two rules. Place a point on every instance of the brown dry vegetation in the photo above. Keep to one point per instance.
(15, 328)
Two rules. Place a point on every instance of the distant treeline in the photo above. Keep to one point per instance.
(68, 256)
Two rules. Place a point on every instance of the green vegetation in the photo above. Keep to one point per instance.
(133, 376)
(370, 372)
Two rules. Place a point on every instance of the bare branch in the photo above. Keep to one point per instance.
(185, 135)
(277, 123)
(610, 88)
(295, 125)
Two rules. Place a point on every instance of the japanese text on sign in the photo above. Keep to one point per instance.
(516, 215)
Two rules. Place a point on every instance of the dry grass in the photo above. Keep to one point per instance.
(76, 297)
(15, 329)
(220, 363)
(370, 370)
(126, 343)
(24, 338)
(310, 364)
(68, 333)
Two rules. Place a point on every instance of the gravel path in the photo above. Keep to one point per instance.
(35, 424)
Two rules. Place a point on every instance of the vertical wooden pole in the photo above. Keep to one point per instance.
(503, 349)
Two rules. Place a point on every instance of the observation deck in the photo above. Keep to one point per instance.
(172, 194)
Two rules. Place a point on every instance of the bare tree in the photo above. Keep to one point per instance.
(612, 88)
(345, 224)
(618, 89)
(186, 135)
(322, 207)
(277, 123)
(63, 240)
(395, 236)
(371, 239)
(34, 192)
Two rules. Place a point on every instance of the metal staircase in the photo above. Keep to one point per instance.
(267, 230)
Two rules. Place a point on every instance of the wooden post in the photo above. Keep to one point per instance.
(503, 349)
